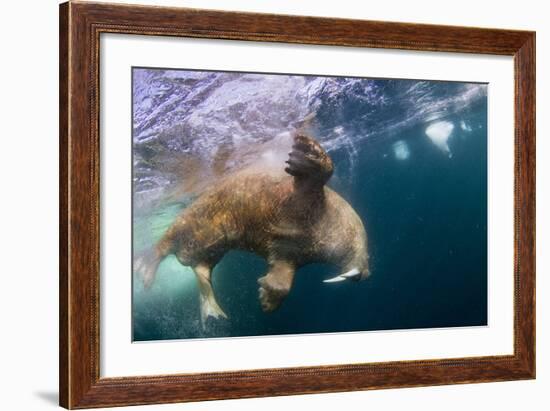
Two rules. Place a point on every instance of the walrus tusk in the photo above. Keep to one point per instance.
(336, 279)
(354, 272)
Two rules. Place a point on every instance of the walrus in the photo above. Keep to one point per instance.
(288, 216)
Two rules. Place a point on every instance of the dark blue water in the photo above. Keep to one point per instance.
(424, 210)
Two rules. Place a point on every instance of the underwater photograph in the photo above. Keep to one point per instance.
(279, 204)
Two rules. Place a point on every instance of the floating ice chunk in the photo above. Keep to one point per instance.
(464, 126)
(439, 134)
(401, 150)
(339, 130)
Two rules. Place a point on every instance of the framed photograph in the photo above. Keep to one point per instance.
(259, 205)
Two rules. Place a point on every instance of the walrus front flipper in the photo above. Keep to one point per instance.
(308, 163)
(275, 285)
(209, 305)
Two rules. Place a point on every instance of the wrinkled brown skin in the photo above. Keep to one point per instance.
(290, 218)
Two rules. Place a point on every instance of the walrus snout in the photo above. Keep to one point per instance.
(364, 275)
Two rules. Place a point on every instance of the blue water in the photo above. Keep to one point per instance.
(423, 202)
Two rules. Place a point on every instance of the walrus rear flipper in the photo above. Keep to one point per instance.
(146, 264)
(209, 305)
(308, 163)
